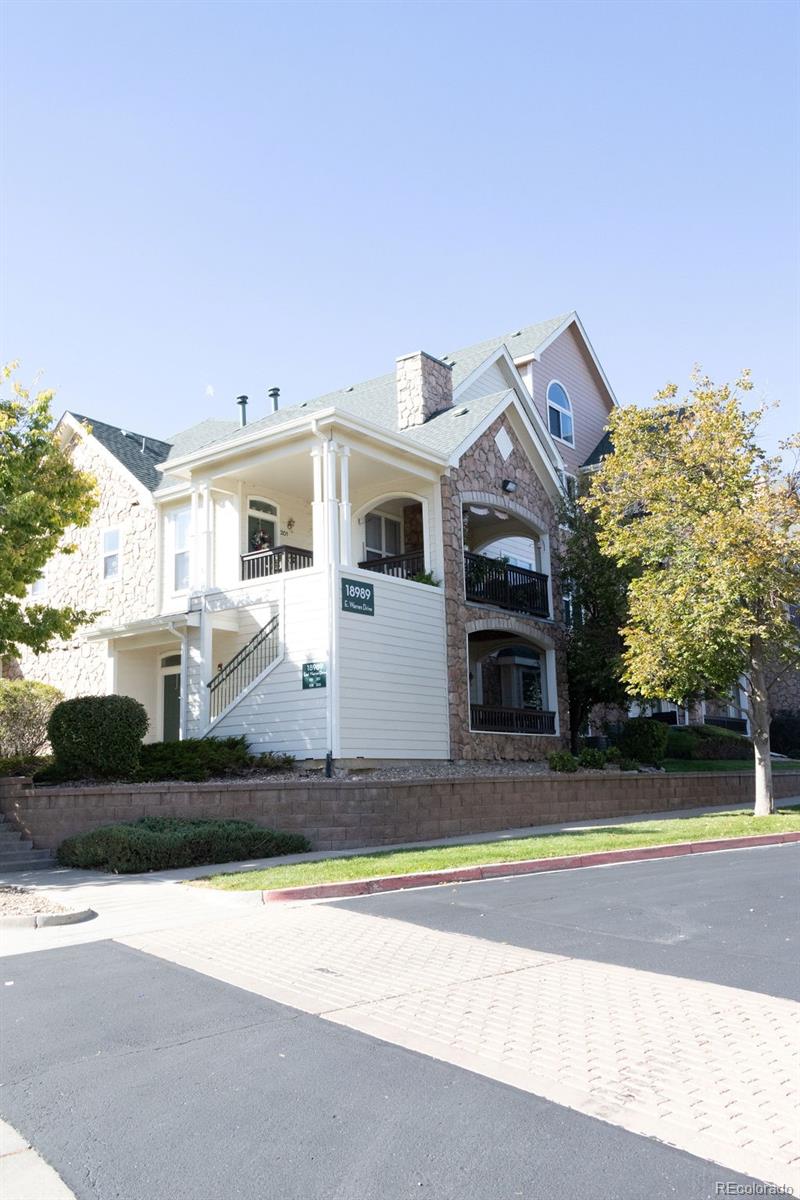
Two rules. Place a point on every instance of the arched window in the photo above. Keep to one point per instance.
(559, 413)
(262, 524)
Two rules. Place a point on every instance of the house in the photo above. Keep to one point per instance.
(369, 574)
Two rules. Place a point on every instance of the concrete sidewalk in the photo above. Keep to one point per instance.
(132, 904)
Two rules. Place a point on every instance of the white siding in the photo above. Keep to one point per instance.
(392, 672)
(492, 380)
(170, 600)
(277, 714)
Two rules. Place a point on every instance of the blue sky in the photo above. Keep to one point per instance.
(216, 198)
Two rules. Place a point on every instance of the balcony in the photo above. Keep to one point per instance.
(401, 566)
(485, 718)
(734, 724)
(495, 583)
(263, 564)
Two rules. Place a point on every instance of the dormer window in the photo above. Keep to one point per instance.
(559, 413)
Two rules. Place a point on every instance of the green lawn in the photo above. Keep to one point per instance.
(402, 862)
(677, 765)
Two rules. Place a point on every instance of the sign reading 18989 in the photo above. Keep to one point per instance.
(358, 597)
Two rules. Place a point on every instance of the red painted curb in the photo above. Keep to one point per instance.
(530, 866)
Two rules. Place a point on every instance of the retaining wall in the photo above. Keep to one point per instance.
(338, 815)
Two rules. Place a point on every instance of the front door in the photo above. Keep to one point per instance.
(172, 706)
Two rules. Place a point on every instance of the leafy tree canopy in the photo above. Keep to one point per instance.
(713, 527)
(597, 589)
(41, 496)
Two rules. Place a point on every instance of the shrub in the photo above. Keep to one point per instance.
(592, 759)
(643, 739)
(784, 734)
(25, 708)
(97, 737)
(628, 764)
(680, 743)
(562, 760)
(194, 759)
(22, 766)
(158, 843)
(613, 754)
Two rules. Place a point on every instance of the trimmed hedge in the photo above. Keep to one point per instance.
(194, 759)
(643, 739)
(97, 737)
(700, 742)
(784, 734)
(158, 843)
(592, 759)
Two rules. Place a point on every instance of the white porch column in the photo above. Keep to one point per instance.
(345, 509)
(206, 668)
(331, 502)
(318, 510)
(204, 537)
(194, 541)
(545, 569)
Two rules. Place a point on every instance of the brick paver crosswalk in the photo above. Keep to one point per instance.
(712, 1070)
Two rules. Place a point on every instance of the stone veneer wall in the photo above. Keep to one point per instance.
(479, 476)
(424, 387)
(341, 815)
(77, 666)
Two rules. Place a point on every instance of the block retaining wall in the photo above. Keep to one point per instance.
(340, 815)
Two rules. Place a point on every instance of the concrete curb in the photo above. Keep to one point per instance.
(42, 920)
(530, 866)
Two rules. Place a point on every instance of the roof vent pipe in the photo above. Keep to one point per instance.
(242, 402)
(273, 394)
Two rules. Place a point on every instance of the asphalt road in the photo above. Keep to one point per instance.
(729, 917)
(141, 1080)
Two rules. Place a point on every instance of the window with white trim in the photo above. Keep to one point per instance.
(112, 559)
(38, 588)
(383, 536)
(180, 524)
(559, 413)
(262, 524)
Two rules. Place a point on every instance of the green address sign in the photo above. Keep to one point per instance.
(314, 675)
(358, 597)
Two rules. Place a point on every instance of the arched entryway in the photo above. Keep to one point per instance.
(506, 563)
(391, 533)
(511, 684)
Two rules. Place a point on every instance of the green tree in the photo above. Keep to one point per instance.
(598, 602)
(713, 527)
(42, 495)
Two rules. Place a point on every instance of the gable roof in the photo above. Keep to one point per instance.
(373, 401)
(137, 452)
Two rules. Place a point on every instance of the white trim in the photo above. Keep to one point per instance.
(111, 580)
(520, 388)
(244, 538)
(574, 319)
(569, 410)
(246, 691)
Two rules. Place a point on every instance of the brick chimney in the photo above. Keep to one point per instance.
(424, 387)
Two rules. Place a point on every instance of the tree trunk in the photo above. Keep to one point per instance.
(759, 729)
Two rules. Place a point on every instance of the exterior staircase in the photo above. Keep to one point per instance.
(236, 676)
(16, 854)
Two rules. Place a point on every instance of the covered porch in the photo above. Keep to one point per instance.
(511, 683)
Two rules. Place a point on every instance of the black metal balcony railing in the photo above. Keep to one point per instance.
(247, 665)
(260, 564)
(494, 582)
(735, 724)
(484, 718)
(666, 718)
(400, 566)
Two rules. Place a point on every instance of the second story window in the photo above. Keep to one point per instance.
(559, 413)
(383, 536)
(39, 587)
(181, 523)
(111, 555)
(262, 524)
